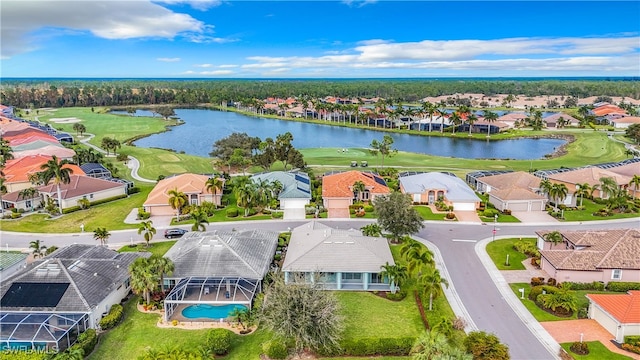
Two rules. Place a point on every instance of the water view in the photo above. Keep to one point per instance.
(204, 127)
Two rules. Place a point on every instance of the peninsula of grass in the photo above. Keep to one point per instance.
(597, 351)
(499, 249)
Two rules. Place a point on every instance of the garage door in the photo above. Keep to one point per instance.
(464, 206)
(518, 206)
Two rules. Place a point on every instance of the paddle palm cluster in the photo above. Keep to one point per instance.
(147, 275)
(256, 194)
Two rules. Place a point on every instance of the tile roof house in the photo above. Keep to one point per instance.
(552, 120)
(338, 194)
(511, 118)
(218, 267)
(295, 194)
(17, 171)
(618, 313)
(61, 152)
(587, 256)
(95, 170)
(192, 185)
(65, 293)
(590, 175)
(625, 122)
(340, 259)
(83, 187)
(427, 188)
(515, 191)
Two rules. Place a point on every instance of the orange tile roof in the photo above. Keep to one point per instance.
(24, 133)
(339, 185)
(18, 170)
(20, 140)
(624, 308)
(186, 183)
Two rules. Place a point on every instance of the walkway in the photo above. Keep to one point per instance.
(523, 276)
(570, 330)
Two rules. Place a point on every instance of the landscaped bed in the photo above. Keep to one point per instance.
(499, 249)
(597, 351)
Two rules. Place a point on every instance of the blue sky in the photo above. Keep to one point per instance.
(318, 39)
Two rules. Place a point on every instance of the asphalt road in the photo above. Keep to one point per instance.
(488, 310)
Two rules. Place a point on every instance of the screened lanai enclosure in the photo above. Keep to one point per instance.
(40, 331)
(215, 291)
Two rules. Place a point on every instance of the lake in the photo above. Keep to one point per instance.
(204, 127)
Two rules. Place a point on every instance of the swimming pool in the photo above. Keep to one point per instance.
(200, 311)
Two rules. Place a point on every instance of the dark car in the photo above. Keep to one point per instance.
(174, 233)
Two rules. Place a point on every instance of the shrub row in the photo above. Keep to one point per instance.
(632, 339)
(596, 285)
(526, 248)
(538, 290)
(24, 355)
(632, 348)
(219, 341)
(112, 318)
(97, 202)
(620, 286)
(372, 346)
(87, 341)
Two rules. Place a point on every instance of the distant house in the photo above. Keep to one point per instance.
(60, 152)
(64, 137)
(192, 185)
(218, 268)
(553, 120)
(339, 259)
(83, 187)
(47, 304)
(590, 175)
(428, 188)
(95, 170)
(587, 256)
(295, 194)
(515, 191)
(511, 119)
(619, 314)
(18, 171)
(625, 122)
(338, 192)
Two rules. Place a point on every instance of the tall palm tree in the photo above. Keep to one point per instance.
(358, 188)
(418, 258)
(102, 235)
(545, 186)
(558, 193)
(55, 170)
(635, 182)
(429, 109)
(608, 186)
(38, 248)
(161, 266)
(246, 197)
(147, 230)
(199, 218)
(431, 283)
(489, 117)
(214, 185)
(143, 278)
(554, 237)
(471, 119)
(582, 190)
(455, 119)
(442, 112)
(397, 275)
(177, 200)
(6, 152)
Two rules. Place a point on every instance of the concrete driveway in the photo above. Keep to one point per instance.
(534, 217)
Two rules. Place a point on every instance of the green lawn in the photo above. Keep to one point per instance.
(590, 208)
(109, 215)
(156, 247)
(499, 249)
(597, 351)
(427, 214)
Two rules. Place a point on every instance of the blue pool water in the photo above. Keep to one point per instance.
(210, 311)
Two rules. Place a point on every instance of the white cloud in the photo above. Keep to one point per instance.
(20, 20)
(202, 5)
(216, 72)
(228, 66)
(164, 59)
(203, 65)
(358, 3)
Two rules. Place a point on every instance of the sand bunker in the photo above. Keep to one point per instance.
(65, 120)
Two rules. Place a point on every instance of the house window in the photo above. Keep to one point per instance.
(90, 196)
(616, 274)
(352, 276)
(377, 279)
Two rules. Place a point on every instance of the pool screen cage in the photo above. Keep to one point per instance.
(212, 291)
(40, 331)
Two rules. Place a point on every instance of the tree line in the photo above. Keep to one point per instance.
(36, 93)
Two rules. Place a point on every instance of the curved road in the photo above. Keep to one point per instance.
(480, 298)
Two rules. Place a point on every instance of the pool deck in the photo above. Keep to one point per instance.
(188, 324)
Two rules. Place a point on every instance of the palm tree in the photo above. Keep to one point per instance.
(582, 190)
(143, 278)
(558, 193)
(431, 283)
(545, 186)
(147, 230)
(489, 117)
(214, 185)
(358, 188)
(177, 199)
(371, 230)
(28, 193)
(6, 152)
(417, 256)
(608, 186)
(432, 345)
(38, 248)
(429, 109)
(55, 170)
(161, 265)
(554, 237)
(442, 112)
(635, 182)
(471, 119)
(246, 197)
(101, 234)
(397, 275)
(455, 120)
(199, 219)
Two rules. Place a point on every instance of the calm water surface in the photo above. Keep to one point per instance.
(204, 127)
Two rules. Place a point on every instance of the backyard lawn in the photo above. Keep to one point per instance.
(499, 249)
(157, 247)
(591, 207)
(597, 351)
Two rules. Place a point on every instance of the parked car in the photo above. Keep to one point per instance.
(174, 233)
(354, 164)
(364, 164)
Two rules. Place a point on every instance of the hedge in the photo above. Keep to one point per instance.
(24, 355)
(112, 318)
(232, 212)
(219, 341)
(275, 349)
(93, 203)
(87, 341)
(632, 339)
(372, 346)
(620, 286)
(596, 285)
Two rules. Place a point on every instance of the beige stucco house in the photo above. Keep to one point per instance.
(82, 187)
(338, 192)
(590, 175)
(192, 185)
(618, 313)
(515, 191)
